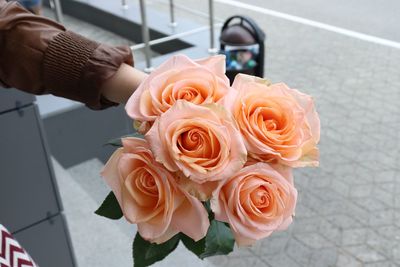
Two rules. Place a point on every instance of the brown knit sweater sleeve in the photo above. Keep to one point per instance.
(39, 56)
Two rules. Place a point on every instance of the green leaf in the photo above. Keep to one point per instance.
(207, 206)
(110, 208)
(146, 253)
(197, 248)
(117, 141)
(114, 142)
(219, 240)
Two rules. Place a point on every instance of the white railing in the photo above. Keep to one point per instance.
(55, 5)
(145, 31)
(147, 43)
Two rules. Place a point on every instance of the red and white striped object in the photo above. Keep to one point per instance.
(11, 253)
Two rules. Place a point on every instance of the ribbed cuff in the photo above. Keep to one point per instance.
(64, 61)
(76, 68)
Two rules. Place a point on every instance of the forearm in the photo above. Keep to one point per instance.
(124, 82)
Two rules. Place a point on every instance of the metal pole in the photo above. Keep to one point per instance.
(124, 4)
(172, 13)
(56, 6)
(145, 36)
(212, 49)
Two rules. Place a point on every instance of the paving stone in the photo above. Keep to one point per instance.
(323, 257)
(329, 208)
(298, 252)
(365, 253)
(390, 231)
(390, 200)
(239, 252)
(303, 211)
(396, 252)
(381, 264)
(331, 232)
(320, 181)
(347, 260)
(388, 247)
(313, 240)
(328, 195)
(396, 201)
(354, 236)
(397, 218)
(301, 225)
(274, 244)
(341, 187)
(234, 262)
(279, 260)
(356, 212)
(370, 203)
(344, 221)
(385, 246)
(364, 190)
(381, 218)
(386, 175)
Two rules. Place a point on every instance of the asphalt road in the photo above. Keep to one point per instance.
(380, 18)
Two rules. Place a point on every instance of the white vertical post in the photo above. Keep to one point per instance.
(145, 36)
(212, 49)
(56, 6)
(124, 4)
(173, 23)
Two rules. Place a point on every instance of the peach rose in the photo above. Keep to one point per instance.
(149, 196)
(278, 124)
(200, 82)
(200, 141)
(256, 201)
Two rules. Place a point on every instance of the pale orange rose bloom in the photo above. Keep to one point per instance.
(202, 142)
(256, 201)
(278, 124)
(150, 197)
(200, 82)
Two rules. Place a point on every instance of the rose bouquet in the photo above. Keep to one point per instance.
(210, 164)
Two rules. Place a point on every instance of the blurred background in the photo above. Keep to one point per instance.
(346, 54)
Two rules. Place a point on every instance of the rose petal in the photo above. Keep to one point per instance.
(191, 218)
(216, 64)
(110, 173)
(157, 230)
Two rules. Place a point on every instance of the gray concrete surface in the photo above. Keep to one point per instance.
(378, 18)
(96, 241)
(348, 212)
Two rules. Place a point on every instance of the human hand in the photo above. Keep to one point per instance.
(121, 86)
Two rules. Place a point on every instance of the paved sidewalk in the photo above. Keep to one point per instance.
(348, 210)
(371, 17)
